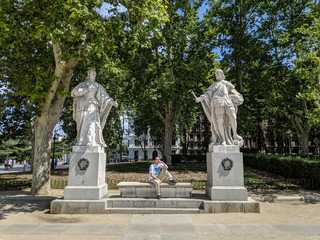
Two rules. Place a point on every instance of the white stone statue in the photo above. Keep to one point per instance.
(91, 107)
(220, 104)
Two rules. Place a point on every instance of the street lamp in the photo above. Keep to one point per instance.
(54, 144)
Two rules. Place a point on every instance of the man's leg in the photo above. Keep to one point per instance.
(166, 174)
(157, 186)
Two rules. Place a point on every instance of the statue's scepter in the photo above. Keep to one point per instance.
(194, 95)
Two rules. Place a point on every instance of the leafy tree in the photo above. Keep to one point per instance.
(233, 29)
(291, 30)
(270, 49)
(164, 74)
(48, 39)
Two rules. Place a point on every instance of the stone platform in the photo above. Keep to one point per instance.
(139, 189)
(197, 203)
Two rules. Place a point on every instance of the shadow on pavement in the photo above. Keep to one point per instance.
(19, 201)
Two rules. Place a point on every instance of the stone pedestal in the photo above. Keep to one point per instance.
(87, 174)
(225, 174)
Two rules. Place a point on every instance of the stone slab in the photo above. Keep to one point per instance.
(85, 192)
(115, 205)
(118, 202)
(87, 149)
(139, 189)
(227, 193)
(249, 206)
(225, 176)
(219, 176)
(93, 175)
(224, 149)
(63, 206)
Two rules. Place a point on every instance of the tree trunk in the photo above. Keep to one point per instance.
(121, 138)
(167, 141)
(45, 122)
(30, 132)
(279, 143)
(184, 143)
(32, 139)
(41, 159)
(259, 136)
(144, 145)
(304, 140)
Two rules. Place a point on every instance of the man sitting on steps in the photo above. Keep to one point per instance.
(157, 171)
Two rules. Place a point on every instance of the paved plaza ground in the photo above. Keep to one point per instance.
(26, 217)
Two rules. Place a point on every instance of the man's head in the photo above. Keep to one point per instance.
(91, 75)
(220, 75)
(156, 160)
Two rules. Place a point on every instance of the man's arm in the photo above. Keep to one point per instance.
(154, 177)
(165, 166)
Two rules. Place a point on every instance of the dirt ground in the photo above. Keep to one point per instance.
(127, 176)
(62, 174)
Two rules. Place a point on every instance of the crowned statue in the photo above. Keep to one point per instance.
(91, 107)
(220, 103)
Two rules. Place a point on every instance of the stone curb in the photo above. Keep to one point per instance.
(29, 198)
(307, 199)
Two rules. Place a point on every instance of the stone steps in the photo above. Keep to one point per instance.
(154, 203)
(198, 203)
(153, 210)
(154, 206)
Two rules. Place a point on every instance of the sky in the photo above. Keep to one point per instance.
(104, 9)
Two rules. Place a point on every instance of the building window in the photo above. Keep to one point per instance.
(191, 136)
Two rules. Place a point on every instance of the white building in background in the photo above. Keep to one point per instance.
(136, 150)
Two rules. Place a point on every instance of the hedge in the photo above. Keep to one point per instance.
(286, 166)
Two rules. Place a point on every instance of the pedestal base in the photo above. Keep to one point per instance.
(87, 174)
(227, 193)
(225, 180)
(85, 192)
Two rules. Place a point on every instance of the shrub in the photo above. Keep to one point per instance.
(286, 166)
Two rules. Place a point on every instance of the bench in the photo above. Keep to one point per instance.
(139, 189)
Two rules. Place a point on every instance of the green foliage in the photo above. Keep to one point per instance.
(143, 166)
(43, 41)
(161, 76)
(270, 49)
(286, 166)
(15, 149)
(14, 185)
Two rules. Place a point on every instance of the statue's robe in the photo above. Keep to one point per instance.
(91, 107)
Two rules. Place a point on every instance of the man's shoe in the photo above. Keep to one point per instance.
(158, 196)
(172, 182)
